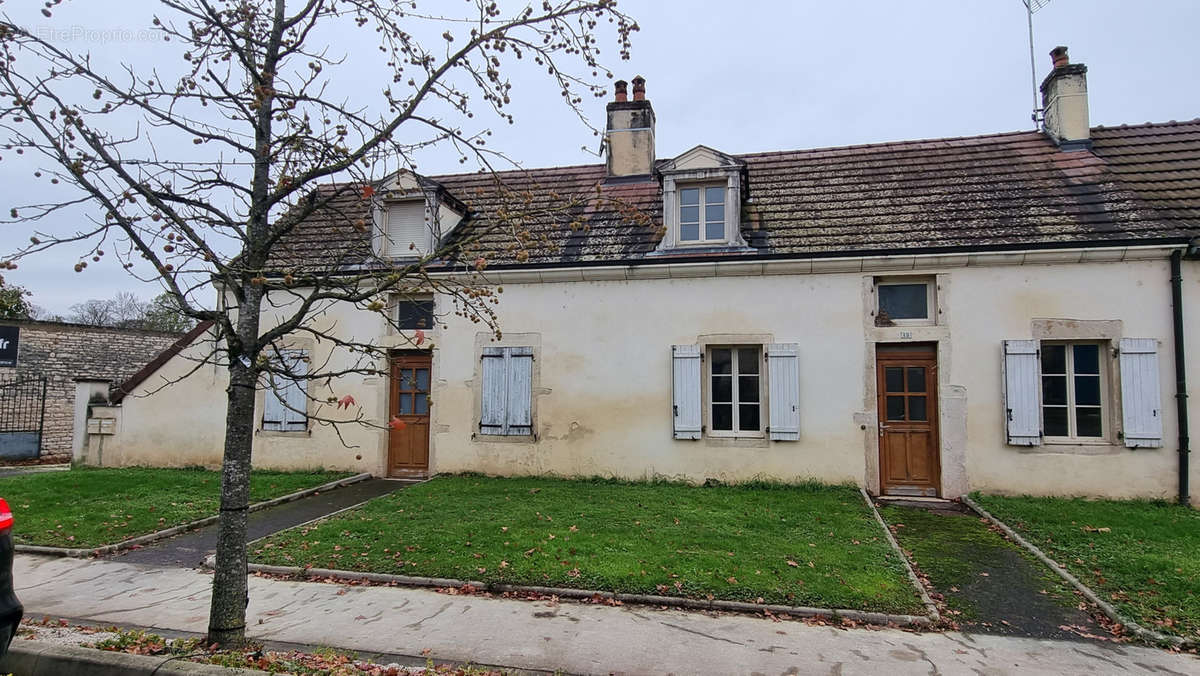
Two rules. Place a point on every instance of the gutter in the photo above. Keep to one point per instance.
(1181, 410)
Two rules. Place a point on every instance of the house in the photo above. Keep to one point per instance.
(997, 313)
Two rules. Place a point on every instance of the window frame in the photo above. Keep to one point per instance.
(387, 246)
(400, 301)
(931, 308)
(1103, 350)
(763, 392)
(702, 205)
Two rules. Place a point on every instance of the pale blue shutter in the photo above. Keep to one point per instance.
(273, 410)
(296, 411)
(494, 389)
(783, 376)
(1141, 402)
(519, 416)
(686, 391)
(1023, 420)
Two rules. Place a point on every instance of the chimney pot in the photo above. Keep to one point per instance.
(621, 92)
(1058, 57)
(639, 88)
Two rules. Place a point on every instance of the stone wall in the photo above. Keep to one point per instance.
(64, 352)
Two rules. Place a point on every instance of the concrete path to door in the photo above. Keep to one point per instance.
(189, 549)
(551, 636)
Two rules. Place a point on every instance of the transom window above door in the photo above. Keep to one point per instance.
(735, 393)
(702, 214)
(1073, 386)
(905, 301)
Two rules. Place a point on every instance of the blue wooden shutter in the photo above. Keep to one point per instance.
(492, 412)
(1141, 403)
(296, 411)
(686, 391)
(1022, 404)
(273, 409)
(783, 376)
(519, 418)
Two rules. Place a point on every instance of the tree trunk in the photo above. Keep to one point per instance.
(227, 614)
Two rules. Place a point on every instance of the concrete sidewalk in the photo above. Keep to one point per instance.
(537, 635)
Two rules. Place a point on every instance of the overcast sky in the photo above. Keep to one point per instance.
(755, 75)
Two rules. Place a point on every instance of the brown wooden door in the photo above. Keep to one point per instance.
(909, 458)
(408, 445)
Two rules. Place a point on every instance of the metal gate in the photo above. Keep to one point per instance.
(22, 416)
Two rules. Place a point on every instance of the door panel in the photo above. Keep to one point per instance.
(408, 445)
(909, 456)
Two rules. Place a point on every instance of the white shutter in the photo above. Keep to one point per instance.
(686, 391)
(783, 376)
(492, 411)
(1141, 403)
(406, 226)
(519, 417)
(296, 411)
(1022, 403)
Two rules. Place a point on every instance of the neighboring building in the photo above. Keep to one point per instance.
(919, 318)
(61, 355)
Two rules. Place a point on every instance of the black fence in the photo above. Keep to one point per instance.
(22, 416)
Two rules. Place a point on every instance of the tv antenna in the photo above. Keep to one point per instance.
(1032, 6)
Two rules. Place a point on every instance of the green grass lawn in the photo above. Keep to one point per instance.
(91, 506)
(802, 545)
(1143, 557)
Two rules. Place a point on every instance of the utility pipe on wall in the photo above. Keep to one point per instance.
(1180, 373)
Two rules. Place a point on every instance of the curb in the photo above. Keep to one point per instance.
(33, 658)
(1107, 608)
(18, 470)
(930, 606)
(863, 616)
(87, 552)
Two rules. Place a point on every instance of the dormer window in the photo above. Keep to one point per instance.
(407, 233)
(702, 202)
(413, 216)
(702, 214)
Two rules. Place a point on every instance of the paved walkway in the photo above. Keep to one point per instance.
(573, 638)
(189, 549)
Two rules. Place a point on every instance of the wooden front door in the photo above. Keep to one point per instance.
(909, 457)
(408, 444)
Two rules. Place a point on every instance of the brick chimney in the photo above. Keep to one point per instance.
(629, 135)
(1065, 103)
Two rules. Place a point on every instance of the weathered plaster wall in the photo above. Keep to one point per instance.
(63, 352)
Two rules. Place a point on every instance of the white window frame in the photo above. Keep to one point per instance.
(931, 310)
(762, 403)
(391, 250)
(702, 205)
(1106, 401)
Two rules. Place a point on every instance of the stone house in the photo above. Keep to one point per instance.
(998, 313)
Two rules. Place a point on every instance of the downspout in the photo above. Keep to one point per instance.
(1180, 374)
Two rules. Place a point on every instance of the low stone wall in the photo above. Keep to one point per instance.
(66, 352)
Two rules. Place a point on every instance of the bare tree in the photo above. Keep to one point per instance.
(197, 175)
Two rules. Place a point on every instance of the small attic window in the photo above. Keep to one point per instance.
(702, 214)
(702, 201)
(406, 231)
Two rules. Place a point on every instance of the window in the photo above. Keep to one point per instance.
(735, 392)
(506, 405)
(1072, 390)
(702, 214)
(285, 406)
(414, 314)
(405, 232)
(904, 302)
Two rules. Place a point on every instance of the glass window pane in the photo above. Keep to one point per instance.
(916, 379)
(714, 195)
(714, 230)
(1054, 390)
(747, 360)
(406, 404)
(1087, 390)
(689, 233)
(748, 418)
(722, 388)
(689, 214)
(722, 360)
(423, 380)
(407, 380)
(1087, 358)
(722, 415)
(1054, 359)
(904, 301)
(715, 212)
(414, 314)
(916, 408)
(1087, 422)
(895, 408)
(422, 405)
(1054, 421)
(689, 196)
(748, 389)
(893, 378)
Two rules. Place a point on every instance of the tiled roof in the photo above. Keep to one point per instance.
(1137, 184)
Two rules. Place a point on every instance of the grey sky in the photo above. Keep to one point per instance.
(755, 75)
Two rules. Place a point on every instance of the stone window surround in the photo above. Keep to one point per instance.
(530, 340)
(708, 341)
(675, 180)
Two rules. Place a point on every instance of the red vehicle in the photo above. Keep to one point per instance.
(10, 608)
